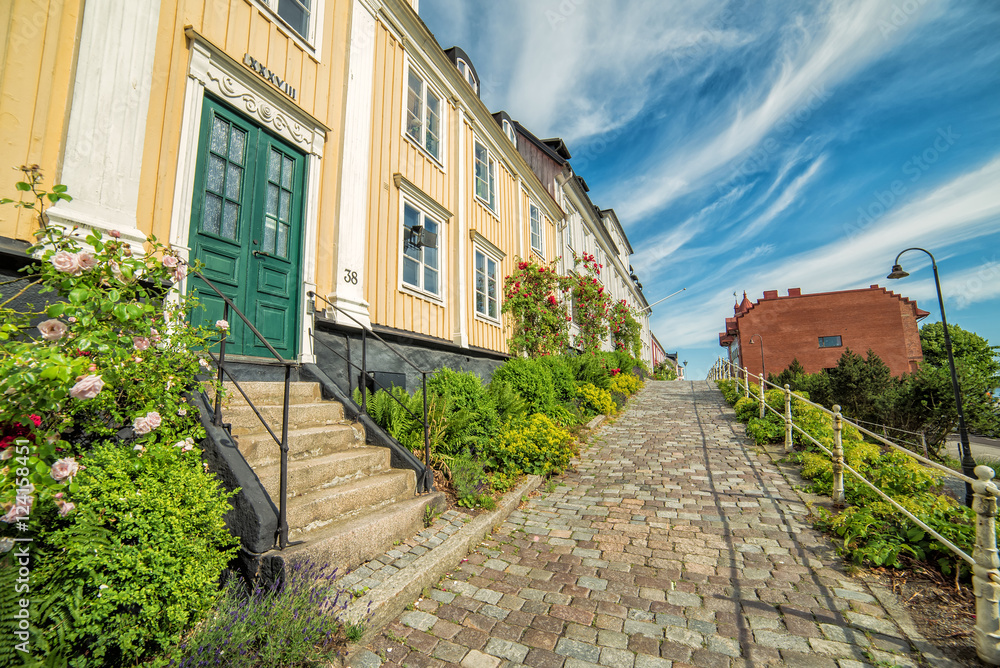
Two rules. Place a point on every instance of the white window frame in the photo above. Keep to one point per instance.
(508, 129)
(569, 234)
(535, 219)
(425, 89)
(311, 42)
(420, 290)
(466, 71)
(488, 257)
(492, 167)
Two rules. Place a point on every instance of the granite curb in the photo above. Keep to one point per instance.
(380, 605)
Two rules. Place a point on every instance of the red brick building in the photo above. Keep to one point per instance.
(817, 328)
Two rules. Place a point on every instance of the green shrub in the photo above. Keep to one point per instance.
(470, 481)
(729, 391)
(596, 400)
(465, 391)
(157, 573)
(765, 431)
(562, 376)
(509, 404)
(536, 446)
(590, 369)
(532, 380)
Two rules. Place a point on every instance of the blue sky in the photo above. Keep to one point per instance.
(761, 146)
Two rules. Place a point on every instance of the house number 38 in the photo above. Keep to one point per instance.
(350, 277)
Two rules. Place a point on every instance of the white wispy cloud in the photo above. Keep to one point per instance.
(788, 197)
(965, 208)
(816, 58)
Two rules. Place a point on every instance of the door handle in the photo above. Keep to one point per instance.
(258, 253)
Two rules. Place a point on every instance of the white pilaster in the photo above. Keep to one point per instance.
(107, 121)
(352, 219)
(460, 239)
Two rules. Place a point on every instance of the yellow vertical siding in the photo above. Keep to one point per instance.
(393, 154)
(37, 51)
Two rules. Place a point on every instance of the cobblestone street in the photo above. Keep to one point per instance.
(671, 543)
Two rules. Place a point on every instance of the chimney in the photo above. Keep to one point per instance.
(770, 294)
(794, 292)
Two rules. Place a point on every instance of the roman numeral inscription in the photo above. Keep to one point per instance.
(270, 76)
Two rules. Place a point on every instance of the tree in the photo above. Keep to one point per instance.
(857, 382)
(790, 376)
(977, 364)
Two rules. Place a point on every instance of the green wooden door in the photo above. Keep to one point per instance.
(246, 227)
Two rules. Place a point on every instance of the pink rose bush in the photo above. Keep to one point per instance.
(64, 469)
(140, 342)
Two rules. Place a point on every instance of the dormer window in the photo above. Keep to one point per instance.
(508, 130)
(466, 71)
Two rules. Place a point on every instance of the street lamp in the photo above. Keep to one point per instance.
(968, 463)
(762, 374)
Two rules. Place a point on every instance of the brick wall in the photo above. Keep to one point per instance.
(790, 327)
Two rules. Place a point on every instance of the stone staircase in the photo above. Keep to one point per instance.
(345, 502)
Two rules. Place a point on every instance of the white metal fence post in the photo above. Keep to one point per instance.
(986, 572)
(746, 382)
(762, 395)
(838, 459)
(788, 418)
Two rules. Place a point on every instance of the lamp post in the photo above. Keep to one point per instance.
(968, 463)
(762, 372)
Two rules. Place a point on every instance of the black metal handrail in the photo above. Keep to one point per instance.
(365, 331)
(281, 539)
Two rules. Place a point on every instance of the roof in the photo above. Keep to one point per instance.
(543, 146)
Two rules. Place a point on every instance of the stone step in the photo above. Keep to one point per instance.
(260, 450)
(315, 510)
(307, 475)
(349, 543)
(300, 416)
(266, 393)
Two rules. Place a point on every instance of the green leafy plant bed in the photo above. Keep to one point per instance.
(483, 438)
(870, 531)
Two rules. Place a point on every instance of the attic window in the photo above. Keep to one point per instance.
(508, 130)
(466, 71)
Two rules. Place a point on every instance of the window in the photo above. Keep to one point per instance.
(599, 256)
(569, 233)
(486, 176)
(423, 115)
(486, 285)
(421, 268)
(829, 342)
(466, 71)
(508, 130)
(299, 15)
(536, 229)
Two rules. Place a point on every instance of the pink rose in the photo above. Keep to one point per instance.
(64, 468)
(146, 423)
(52, 330)
(67, 263)
(140, 342)
(86, 261)
(222, 324)
(7, 453)
(169, 261)
(66, 507)
(87, 387)
(179, 273)
(116, 234)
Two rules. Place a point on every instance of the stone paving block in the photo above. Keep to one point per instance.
(646, 661)
(506, 649)
(578, 650)
(476, 659)
(416, 619)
